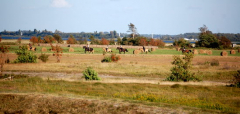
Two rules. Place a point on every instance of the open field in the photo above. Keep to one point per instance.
(135, 84)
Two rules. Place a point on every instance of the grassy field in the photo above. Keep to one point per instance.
(135, 79)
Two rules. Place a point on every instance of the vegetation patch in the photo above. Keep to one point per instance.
(25, 56)
(90, 74)
(180, 71)
(111, 58)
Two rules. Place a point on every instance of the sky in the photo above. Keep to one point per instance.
(149, 16)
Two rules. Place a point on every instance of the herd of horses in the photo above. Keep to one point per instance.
(120, 49)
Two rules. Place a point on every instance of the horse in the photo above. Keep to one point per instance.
(90, 50)
(108, 50)
(122, 50)
(33, 49)
(146, 50)
(186, 50)
(118, 48)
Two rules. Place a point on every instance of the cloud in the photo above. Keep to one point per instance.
(60, 3)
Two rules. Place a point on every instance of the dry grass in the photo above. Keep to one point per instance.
(15, 40)
(41, 103)
(142, 65)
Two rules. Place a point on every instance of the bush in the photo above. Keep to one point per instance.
(90, 74)
(236, 79)
(180, 71)
(44, 57)
(112, 58)
(25, 56)
(214, 62)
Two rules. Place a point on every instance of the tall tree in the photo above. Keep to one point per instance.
(207, 39)
(58, 38)
(132, 29)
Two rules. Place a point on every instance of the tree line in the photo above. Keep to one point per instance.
(111, 34)
(207, 39)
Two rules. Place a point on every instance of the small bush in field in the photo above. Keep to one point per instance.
(90, 74)
(236, 79)
(44, 57)
(112, 58)
(214, 62)
(180, 71)
(25, 56)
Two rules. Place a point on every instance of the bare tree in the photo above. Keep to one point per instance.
(203, 29)
(132, 29)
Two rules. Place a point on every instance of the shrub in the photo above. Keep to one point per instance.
(180, 71)
(214, 62)
(236, 79)
(111, 58)
(44, 57)
(25, 56)
(90, 74)
(107, 59)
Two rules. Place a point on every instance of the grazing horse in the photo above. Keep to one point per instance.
(32, 49)
(118, 48)
(186, 50)
(90, 50)
(146, 50)
(108, 50)
(122, 50)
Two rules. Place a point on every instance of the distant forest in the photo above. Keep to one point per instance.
(109, 35)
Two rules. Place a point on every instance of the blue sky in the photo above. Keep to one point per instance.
(149, 16)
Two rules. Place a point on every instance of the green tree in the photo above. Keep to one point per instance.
(58, 38)
(181, 69)
(25, 56)
(119, 41)
(207, 39)
(182, 43)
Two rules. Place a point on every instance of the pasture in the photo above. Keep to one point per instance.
(137, 80)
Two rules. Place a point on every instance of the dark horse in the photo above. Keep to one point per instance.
(90, 50)
(186, 50)
(122, 50)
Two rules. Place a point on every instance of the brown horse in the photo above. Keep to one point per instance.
(186, 50)
(122, 50)
(90, 50)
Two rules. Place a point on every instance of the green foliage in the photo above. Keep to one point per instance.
(43, 57)
(25, 56)
(182, 43)
(180, 71)
(58, 38)
(107, 59)
(90, 74)
(207, 40)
